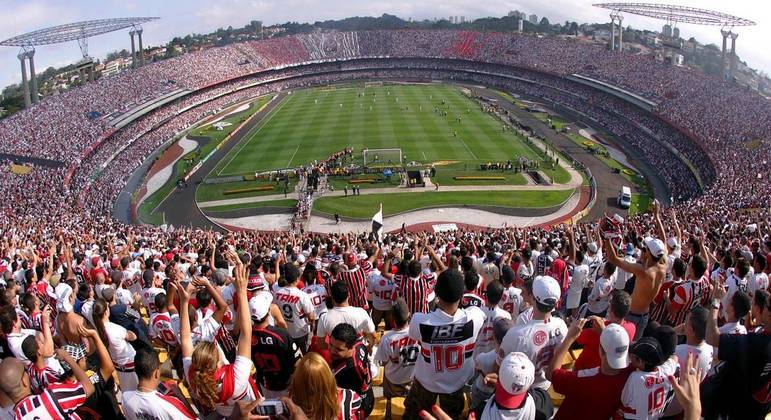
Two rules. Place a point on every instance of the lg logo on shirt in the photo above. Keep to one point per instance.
(539, 338)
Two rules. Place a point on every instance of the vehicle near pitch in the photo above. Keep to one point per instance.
(624, 199)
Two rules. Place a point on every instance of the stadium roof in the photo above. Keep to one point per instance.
(675, 13)
(74, 31)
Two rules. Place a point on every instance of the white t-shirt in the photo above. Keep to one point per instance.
(647, 394)
(357, 317)
(493, 412)
(525, 270)
(318, 295)
(485, 363)
(382, 290)
(296, 307)
(733, 284)
(599, 297)
(447, 344)
(703, 352)
(538, 339)
(132, 280)
(15, 340)
(576, 285)
(524, 316)
(759, 281)
(229, 296)
(512, 301)
(148, 298)
(165, 327)
(241, 385)
(733, 328)
(622, 276)
(398, 353)
(153, 405)
(121, 351)
(486, 339)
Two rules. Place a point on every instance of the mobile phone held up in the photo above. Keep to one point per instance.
(270, 408)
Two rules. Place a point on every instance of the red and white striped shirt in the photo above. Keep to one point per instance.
(58, 401)
(415, 291)
(350, 404)
(356, 279)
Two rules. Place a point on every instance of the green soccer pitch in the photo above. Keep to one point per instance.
(314, 123)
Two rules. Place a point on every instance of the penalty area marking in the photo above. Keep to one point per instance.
(289, 164)
(467, 149)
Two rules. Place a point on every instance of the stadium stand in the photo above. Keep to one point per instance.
(61, 246)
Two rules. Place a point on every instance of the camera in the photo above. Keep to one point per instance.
(270, 408)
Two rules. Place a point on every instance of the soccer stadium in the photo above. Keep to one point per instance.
(387, 223)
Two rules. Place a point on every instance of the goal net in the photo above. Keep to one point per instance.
(382, 156)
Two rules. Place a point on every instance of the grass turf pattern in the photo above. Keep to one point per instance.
(312, 124)
(364, 206)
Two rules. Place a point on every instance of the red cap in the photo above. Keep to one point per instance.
(350, 258)
(95, 260)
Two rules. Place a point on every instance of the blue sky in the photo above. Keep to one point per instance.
(180, 17)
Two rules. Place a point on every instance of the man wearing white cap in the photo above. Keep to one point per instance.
(511, 400)
(539, 337)
(596, 392)
(649, 273)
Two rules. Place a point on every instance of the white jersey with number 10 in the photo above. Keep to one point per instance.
(446, 347)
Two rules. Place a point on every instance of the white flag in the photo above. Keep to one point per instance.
(377, 225)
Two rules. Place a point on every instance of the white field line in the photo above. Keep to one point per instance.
(289, 164)
(251, 135)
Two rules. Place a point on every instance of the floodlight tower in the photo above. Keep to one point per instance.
(674, 14)
(78, 31)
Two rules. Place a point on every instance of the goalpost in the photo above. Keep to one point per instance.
(381, 156)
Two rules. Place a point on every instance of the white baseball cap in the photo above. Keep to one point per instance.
(63, 292)
(615, 342)
(672, 242)
(515, 377)
(546, 290)
(259, 305)
(655, 246)
(300, 259)
(592, 247)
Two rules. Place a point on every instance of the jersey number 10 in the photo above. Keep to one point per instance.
(447, 357)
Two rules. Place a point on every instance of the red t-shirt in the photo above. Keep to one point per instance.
(590, 339)
(589, 394)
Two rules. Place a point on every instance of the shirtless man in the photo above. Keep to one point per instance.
(67, 321)
(650, 272)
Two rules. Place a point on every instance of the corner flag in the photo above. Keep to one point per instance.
(377, 225)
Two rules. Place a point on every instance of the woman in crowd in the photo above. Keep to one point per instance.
(327, 401)
(215, 384)
(118, 341)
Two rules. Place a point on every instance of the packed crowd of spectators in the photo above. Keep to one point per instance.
(81, 305)
(65, 262)
(713, 115)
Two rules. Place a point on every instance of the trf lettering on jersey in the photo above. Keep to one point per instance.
(446, 334)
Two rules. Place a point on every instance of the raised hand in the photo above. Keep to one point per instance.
(687, 388)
